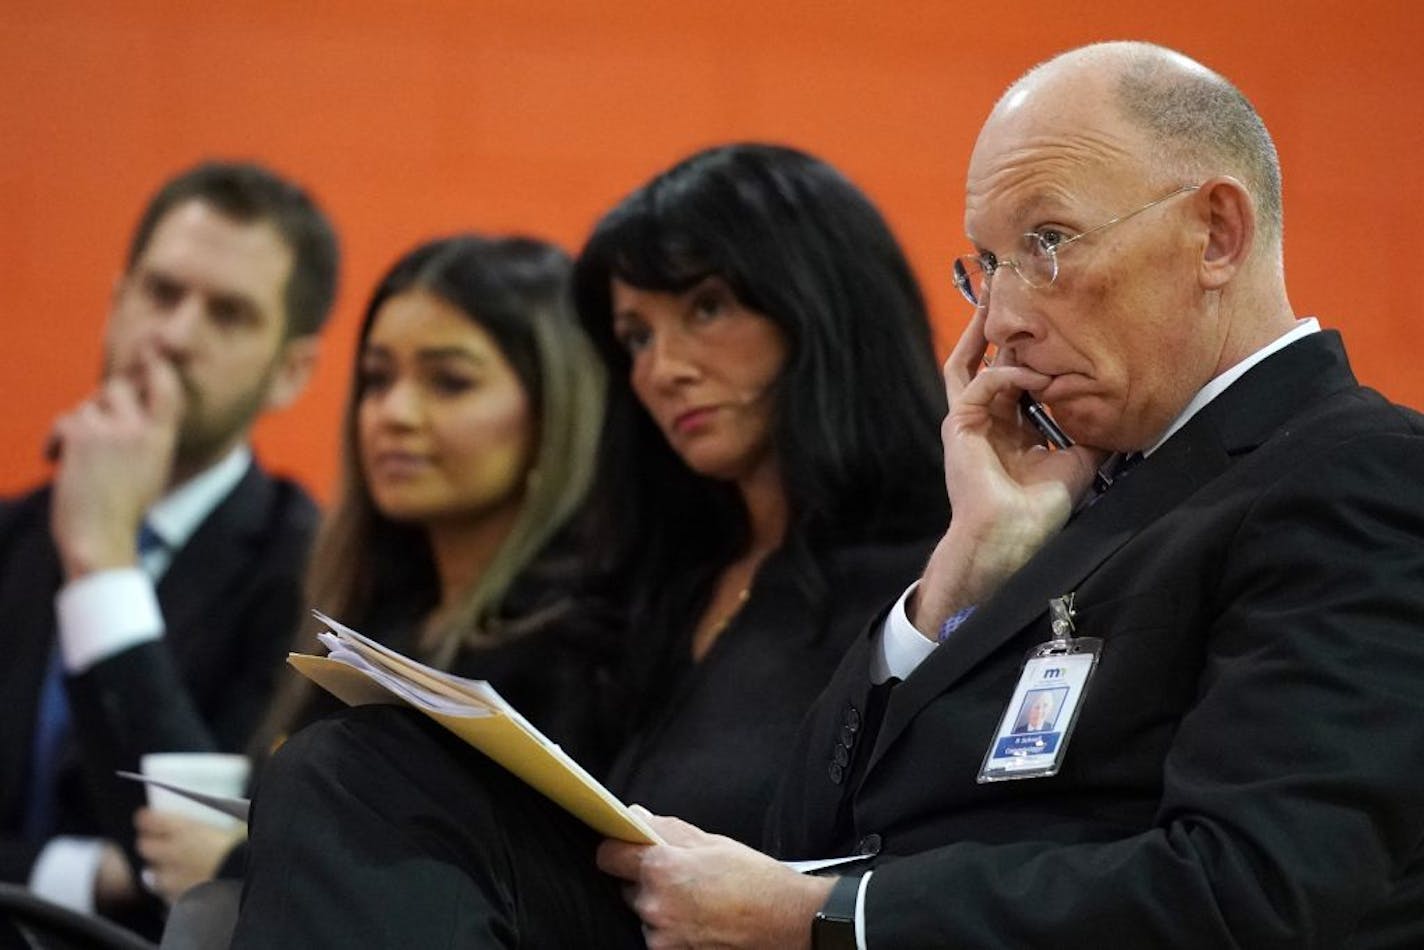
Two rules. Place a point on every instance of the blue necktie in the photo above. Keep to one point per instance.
(52, 727)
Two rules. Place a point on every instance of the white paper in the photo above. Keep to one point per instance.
(230, 806)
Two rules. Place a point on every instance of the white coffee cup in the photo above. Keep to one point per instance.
(213, 773)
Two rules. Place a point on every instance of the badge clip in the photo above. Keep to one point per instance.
(1061, 614)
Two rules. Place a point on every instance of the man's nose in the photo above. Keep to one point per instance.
(178, 330)
(1009, 312)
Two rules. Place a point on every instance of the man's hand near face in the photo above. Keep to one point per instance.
(704, 890)
(1009, 492)
(115, 455)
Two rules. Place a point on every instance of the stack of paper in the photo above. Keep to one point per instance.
(359, 670)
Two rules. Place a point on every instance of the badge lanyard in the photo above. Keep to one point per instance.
(1033, 733)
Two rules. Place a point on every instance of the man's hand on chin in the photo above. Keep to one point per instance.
(115, 454)
(1009, 491)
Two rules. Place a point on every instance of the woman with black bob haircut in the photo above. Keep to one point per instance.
(769, 478)
(854, 411)
(859, 401)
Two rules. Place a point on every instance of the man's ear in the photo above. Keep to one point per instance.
(1230, 217)
(295, 365)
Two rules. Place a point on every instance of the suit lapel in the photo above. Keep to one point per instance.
(206, 567)
(1235, 422)
(1090, 538)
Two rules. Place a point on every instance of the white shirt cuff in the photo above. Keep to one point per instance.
(860, 912)
(66, 870)
(105, 613)
(901, 646)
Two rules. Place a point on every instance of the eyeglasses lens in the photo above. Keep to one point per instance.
(969, 278)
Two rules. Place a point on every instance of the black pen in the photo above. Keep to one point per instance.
(1044, 423)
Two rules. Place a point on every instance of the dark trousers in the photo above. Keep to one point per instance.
(377, 828)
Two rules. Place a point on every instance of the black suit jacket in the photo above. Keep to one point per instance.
(1246, 770)
(230, 600)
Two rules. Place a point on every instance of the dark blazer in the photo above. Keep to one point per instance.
(1246, 770)
(230, 600)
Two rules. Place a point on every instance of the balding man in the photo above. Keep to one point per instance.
(1243, 766)
(1232, 632)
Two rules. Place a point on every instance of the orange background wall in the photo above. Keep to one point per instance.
(411, 119)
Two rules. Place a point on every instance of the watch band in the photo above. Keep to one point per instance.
(833, 927)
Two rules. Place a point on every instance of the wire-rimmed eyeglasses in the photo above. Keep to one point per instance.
(1037, 265)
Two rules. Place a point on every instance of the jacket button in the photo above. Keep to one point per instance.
(842, 756)
(869, 845)
(847, 737)
(837, 773)
(852, 718)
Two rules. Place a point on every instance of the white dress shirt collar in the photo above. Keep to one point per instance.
(178, 514)
(1219, 384)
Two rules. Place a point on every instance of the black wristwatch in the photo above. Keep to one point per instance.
(833, 927)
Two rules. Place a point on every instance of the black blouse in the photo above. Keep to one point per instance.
(713, 735)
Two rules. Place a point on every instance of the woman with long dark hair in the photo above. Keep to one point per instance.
(769, 476)
(770, 463)
(467, 448)
(452, 491)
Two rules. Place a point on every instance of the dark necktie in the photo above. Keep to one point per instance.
(1114, 470)
(52, 728)
(1128, 463)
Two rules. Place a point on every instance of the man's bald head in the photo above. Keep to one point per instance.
(1196, 123)
(1128, 200)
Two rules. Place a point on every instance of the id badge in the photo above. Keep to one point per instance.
(1038, 721)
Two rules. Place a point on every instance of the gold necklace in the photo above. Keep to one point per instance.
(726, 619)
(703, 640)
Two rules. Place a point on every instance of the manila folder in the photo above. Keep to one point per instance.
(363, 672)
